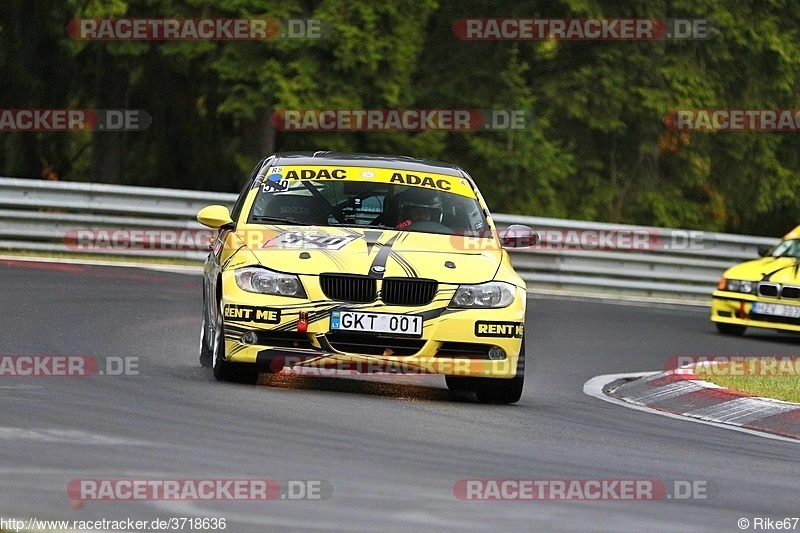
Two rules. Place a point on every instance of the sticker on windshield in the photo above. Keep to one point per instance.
(275, 183)
(310, 239)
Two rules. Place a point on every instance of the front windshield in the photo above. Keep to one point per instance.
(381, 198)
(788, 248)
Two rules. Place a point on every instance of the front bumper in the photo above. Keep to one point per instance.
(289, 332)
(736, 308)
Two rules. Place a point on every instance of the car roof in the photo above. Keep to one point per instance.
(794, 234)
(369, 160)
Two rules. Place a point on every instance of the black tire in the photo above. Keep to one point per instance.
(206, 353)
(223, 369)
(235, 372)
(460, 383)
(730, 329)
(503, 391)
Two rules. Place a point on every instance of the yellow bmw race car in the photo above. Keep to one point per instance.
(763, 293)
(365, 263)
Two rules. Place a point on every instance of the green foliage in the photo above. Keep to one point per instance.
(597, 148)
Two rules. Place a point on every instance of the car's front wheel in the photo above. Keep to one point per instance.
(206, 352)
(730, 329)
(225, 370)
(460, 383)
(496, 390)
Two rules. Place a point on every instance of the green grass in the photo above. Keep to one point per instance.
(778, 382)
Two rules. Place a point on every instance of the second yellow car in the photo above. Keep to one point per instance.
(762, 293)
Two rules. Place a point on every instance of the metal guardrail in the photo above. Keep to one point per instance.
(689, 272)
(38, 215)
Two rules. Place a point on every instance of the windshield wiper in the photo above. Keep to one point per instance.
(279, 220)
(369, 226)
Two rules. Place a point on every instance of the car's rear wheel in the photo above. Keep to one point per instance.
(496, 390)
(730, 329)
(225, 370)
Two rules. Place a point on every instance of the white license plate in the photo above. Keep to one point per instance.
(791, 311)
(376, 323)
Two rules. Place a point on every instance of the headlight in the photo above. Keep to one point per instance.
(491, 294)
(738, 285)
(264, 281)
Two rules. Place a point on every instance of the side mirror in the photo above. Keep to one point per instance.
(763, 250)
(518, 236)
(214, 216)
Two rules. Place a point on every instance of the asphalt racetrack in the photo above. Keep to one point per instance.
(391, 450)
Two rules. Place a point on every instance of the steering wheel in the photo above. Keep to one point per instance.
(430, 226)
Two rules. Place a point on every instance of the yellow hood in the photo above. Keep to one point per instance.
(776, 269)
(314, 250)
